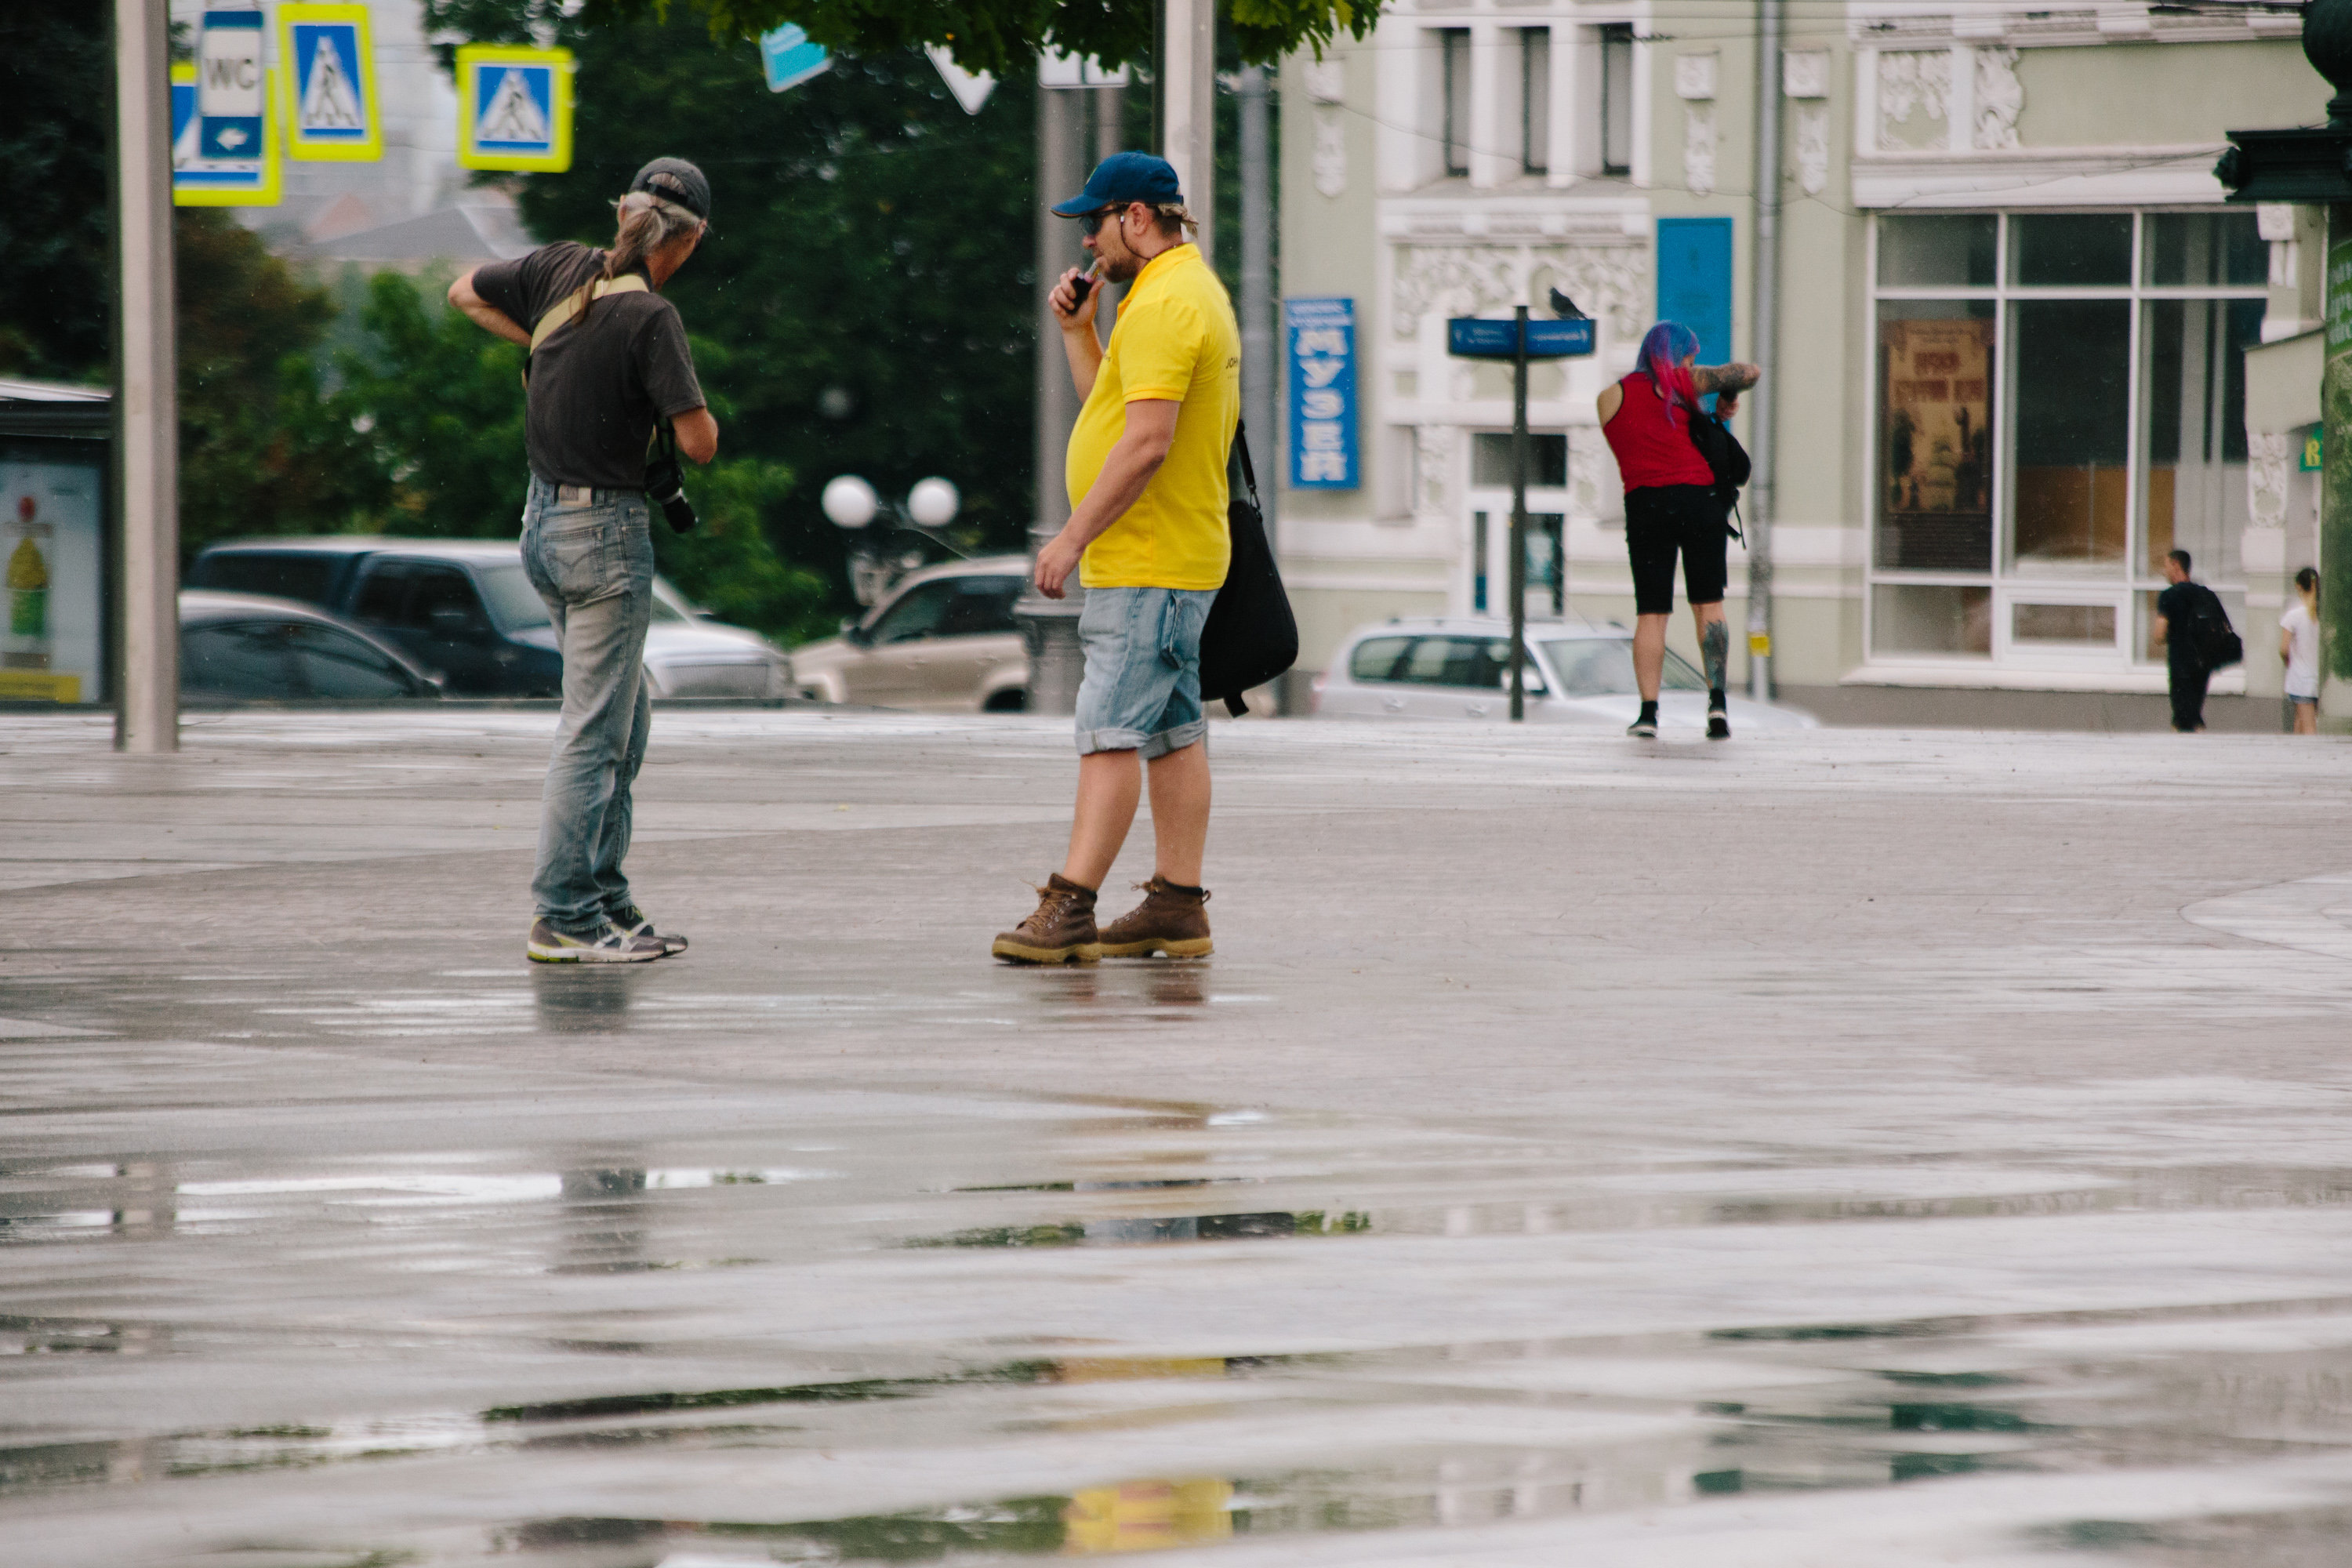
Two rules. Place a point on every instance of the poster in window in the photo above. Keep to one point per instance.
(51, 640)
(1935, 506)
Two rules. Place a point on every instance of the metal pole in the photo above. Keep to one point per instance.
(1185, 86)
(146, 400)
(1766, 314)
(1517, 575)
(1258, 357)
(1110, 115)
(1050, 626)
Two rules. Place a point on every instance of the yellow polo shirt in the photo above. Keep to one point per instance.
(1175, 341)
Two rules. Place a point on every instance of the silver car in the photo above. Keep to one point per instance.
(1576, 673)
(943, 640)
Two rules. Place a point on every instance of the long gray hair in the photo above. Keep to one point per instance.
(647, 223)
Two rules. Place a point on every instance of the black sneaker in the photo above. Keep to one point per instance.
(634, 921)
(1719, 724)
(1646, 728)
(604, 946)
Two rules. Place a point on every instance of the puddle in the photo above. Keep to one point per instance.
(1132, 1232)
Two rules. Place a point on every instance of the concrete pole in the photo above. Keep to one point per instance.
(1261, 364)
(1050, 626)
(146, 400)
(1185, 85)
(1110, 120)
(1766, 277)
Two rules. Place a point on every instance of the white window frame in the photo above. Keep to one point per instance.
(2009, 586)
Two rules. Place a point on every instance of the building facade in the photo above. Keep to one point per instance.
(2013, 322)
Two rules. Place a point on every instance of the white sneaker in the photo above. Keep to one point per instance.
(635, 922)
(602, 946)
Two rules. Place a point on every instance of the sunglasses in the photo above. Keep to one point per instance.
(1095, 218)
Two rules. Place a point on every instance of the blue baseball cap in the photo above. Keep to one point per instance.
(1121, 178)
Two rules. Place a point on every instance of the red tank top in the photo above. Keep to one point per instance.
(1649, 440)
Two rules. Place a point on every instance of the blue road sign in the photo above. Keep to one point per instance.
(1484, 337)
(230, 86)
(1322, 333)
(789, 58)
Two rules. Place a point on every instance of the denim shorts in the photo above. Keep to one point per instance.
(1142, 686)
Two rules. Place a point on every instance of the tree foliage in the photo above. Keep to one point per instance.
(995, 35)
(54, 238)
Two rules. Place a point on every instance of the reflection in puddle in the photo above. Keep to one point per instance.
(1134, 1231)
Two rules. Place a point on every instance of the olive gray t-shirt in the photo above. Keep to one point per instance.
(598, 382)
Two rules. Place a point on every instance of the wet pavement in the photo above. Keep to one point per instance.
(1847, 1148)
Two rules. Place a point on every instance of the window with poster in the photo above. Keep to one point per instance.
(52, 543)
(2060, 401)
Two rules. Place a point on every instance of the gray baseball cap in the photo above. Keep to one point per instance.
(675, 180)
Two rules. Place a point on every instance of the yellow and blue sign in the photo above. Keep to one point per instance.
(332, 114)
(1322, 333)
(514, 108)
(789, 58)
(227, 181)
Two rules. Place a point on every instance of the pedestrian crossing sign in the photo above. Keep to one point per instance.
(514, 108)
(328, 61)
(201, 179)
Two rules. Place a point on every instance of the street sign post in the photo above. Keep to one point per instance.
(328, 57)
(514, 108)
(1519, 340)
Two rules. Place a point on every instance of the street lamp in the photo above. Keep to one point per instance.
(853, 505)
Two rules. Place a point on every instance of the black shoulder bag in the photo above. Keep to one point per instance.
(1251, 637)
(1725, 458)
(2217, 642)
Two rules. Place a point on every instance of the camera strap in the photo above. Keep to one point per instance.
(562, 312)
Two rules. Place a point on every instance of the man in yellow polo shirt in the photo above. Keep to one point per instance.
(1146, 537)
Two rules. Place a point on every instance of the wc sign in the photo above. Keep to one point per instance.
(328, 58)
(223, 120)
(514, 108)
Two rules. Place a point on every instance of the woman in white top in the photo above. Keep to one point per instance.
(2299, 651)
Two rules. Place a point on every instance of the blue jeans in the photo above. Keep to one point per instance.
(592, 562)
(1142, 686)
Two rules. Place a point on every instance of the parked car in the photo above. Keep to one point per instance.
(1576, 673)
(464, 611)
(943, 640)
(242, 647)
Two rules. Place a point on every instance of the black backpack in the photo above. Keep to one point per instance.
(1251, 636)
(2217, 643)
(1726, 457)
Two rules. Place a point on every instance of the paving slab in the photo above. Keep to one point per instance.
(1846, 1147)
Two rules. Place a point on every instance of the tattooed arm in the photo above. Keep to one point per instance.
(1733, 377)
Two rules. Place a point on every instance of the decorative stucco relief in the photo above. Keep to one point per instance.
(1610, 282)
(1331, 158)
(1812, 147)
(1698, 149)
(1326, 80)
(1585, 446)
(2267, 478)
(1909, 81)
(1432, 465)
(1998, 97)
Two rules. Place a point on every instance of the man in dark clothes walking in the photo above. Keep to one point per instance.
(2177, 610)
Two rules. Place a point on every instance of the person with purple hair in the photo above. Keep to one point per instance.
(1671, 505)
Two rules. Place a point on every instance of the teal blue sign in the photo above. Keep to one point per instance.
(789, 58)
(1483, 336)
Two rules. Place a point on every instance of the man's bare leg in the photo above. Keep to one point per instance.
(1649, 654)
(1180, 813)
(1109, 786)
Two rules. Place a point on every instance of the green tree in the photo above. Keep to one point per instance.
(262, 450)
(869, 268)
(997, 36)
(54, 241)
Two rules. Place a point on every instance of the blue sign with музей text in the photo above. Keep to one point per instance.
(1321, 338)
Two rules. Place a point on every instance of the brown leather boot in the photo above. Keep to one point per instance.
(1171, 919)
(1060, 931)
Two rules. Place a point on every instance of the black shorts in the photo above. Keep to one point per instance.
(1662, 519)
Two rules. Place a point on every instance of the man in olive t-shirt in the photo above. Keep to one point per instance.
(608, 359)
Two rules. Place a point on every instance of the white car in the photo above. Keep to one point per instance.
(943, 640)
(1577, 673)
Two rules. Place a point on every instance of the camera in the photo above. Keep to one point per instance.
(665, 483)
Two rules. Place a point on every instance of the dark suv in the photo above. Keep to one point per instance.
(465, 611)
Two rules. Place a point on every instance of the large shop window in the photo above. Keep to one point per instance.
(2061, 401)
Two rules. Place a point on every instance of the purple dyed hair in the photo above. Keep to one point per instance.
(1664, 349)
